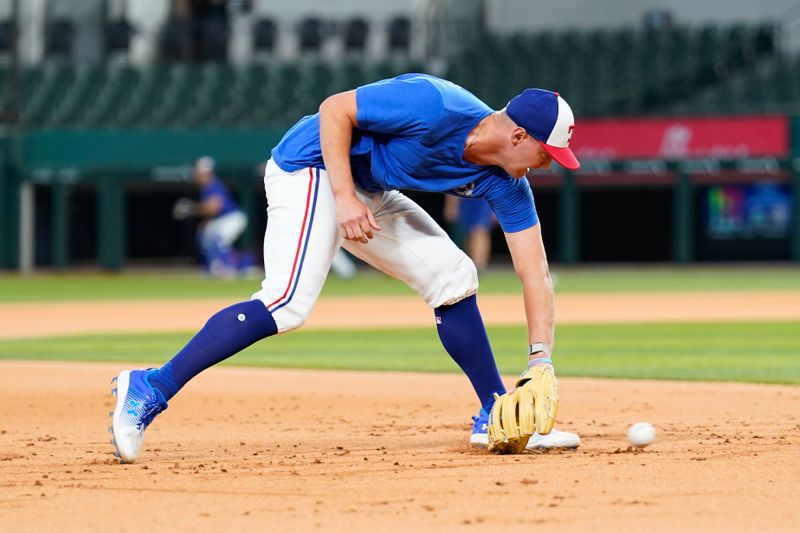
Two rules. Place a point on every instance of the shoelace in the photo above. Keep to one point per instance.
(149, 412)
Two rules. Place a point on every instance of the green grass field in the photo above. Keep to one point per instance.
(149, 285)
(766, 353)
(754, 352)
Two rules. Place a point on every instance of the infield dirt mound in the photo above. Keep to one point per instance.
(284, 450)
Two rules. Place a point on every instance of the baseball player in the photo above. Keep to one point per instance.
(333, 181)
(222, 222)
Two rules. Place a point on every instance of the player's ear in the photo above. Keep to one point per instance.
(518, 136)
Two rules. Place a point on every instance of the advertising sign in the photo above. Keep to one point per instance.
(682, 138)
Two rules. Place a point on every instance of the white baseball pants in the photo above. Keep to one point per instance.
(302, 237)
(222, 232)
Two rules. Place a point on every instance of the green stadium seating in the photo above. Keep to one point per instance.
(87, 83)
(625, 71)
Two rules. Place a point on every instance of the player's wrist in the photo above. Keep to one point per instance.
(540, 353)
(540, 349)
(540, 361)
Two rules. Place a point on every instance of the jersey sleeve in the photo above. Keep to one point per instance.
(212, 189)
(512, 202)
(398, 106)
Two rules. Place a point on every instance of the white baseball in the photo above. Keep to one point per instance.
(641, 434)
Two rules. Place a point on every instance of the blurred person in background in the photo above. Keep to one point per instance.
(473, 220)
(222, 222)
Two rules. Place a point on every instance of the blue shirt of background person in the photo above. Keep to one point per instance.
(411, 134)
(215, 187)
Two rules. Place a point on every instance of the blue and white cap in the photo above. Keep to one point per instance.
(547, 118)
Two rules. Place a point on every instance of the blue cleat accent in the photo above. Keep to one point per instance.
(138, 403)
(480, 429)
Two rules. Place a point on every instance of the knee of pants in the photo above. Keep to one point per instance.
(288, 315)
(453, 286)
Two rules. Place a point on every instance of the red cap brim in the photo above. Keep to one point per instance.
(562, 156)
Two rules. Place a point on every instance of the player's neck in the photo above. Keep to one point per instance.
(482, 144)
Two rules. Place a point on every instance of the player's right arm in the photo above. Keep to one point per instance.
(337, 119)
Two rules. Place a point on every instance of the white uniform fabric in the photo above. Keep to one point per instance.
(224, 230)
(302, 237)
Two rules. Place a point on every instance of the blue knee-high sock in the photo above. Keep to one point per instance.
(226, 333)
(463, 335)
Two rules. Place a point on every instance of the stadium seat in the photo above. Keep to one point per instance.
(175, 44)
(349, 76)
(213, 42)
(265, 35)
(46, 92)
(143, 101)
(399, 34)
(356, 33)
(114, 95)
(178, 95)
(59, 35)
(312, 33)
(81, 93)
(6, 28)
(117, 36)
(218, 81)
(245, 96)
(764, 39)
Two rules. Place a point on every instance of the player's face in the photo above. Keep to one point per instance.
(201, 177)
(541, 158)
(528, 154)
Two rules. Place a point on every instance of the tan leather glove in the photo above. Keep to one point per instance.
(531, 406)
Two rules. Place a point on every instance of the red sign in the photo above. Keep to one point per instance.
(682, 138)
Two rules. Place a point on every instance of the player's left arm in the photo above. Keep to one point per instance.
(532, 406)
(530, 264)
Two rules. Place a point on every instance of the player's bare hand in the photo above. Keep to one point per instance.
(356, 221)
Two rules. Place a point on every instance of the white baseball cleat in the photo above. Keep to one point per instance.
(138, 403)
(553, 440)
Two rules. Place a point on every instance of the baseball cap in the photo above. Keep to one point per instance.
(547, 118)
(205, 164)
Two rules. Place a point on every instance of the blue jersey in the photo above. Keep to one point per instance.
(411, 134)
(216, 188)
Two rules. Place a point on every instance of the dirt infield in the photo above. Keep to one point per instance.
(35, 319)
(282, 450)
(288, 450)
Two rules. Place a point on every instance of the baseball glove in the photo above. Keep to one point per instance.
(531, 406)
(184, 208)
